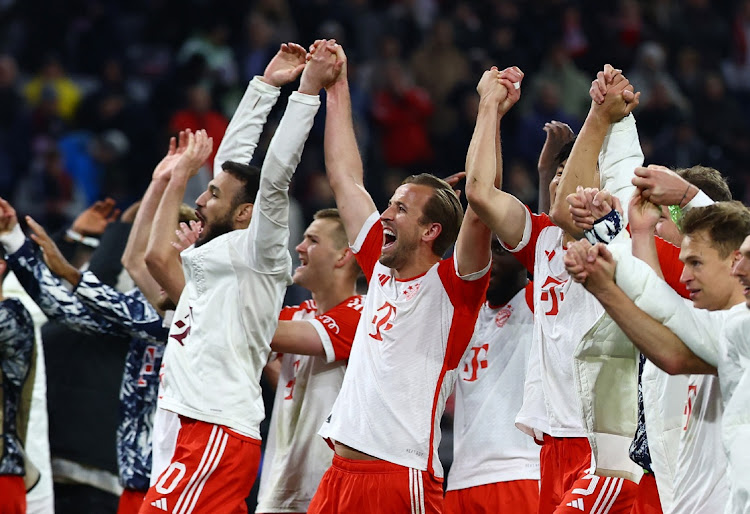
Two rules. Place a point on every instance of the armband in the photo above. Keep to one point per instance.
(605, 228)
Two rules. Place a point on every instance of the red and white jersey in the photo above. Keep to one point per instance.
(410, 340)
(701, 483)
(295, 457)
(563, 312)
(487, 446)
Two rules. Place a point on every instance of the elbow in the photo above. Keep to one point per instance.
(477, 195)
(155, 261)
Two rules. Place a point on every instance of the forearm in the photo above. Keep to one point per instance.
(644, 248)
(52, 297)
(659, 344)
(482, 169)
(620, 154)
(343, 161)
(133, 259)
(136, 316)
(696, 328)
(160, 254)
(580, 169)
(498, 156)
(298, 337)
(241, 137)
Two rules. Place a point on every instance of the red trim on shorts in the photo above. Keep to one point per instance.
(368, 466)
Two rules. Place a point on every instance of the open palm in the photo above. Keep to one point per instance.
(286, 65)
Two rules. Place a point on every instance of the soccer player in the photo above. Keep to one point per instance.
(563, 310)
(713, 237)
(17, 350)
(415, 326)
(314, 340)
(234, 280)
(495, 466)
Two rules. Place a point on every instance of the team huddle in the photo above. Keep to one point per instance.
(614, 381)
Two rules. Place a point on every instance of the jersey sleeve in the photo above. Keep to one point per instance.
(369, 244)
(466, 294)
(526, 249)
(336, 328)
(671, 265)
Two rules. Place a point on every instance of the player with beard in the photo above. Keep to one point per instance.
(495, 466)
(416, 324)
(234, 281)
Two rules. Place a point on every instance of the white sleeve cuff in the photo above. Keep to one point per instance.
(524, 239)
(264, 87)
(13, 240)
(699, 200)
(325, 339)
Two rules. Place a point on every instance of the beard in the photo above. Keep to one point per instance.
(399, 256)
(213, 230)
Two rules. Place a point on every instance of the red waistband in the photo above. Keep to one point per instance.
(366, 466)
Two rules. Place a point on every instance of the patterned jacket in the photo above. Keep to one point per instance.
(16, 366)
(95, 308)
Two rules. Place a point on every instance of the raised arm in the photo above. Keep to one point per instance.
(343, 162)
(558, 135)
(267, 238)
(244, 130)
(134, 256)
(47, 291)
(501, 212)
(581, 169)
(162, 259)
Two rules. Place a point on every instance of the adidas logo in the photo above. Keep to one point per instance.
(576, 504)
(161, 503)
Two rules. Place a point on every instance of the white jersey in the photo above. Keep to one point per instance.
(409, 342)
(295, 457)
(700, 474)
(563, 312)
(234, 285)
(487, 447)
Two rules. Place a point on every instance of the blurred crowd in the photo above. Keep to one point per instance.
(90, 90)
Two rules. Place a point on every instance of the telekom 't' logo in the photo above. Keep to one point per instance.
(382, 320)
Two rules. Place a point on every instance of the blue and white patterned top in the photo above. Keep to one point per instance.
(96, 308)
(16, 352)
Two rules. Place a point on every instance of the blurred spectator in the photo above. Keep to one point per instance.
(659, 113)
(688, 73)
(547, 106)
(574, 39)
(258, 45)
(572, 85)
(678, 147)
(198, 114)
(438, 67)
(51, 84)
(650, 69)
(211, 43)
(402, 111)
(15, 129)
(717, 115)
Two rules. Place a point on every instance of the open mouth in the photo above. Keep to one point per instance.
(389, 238)
(200, 217)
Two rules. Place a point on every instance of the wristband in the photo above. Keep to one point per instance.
(605, 228)
(675, 212)
(91, 242)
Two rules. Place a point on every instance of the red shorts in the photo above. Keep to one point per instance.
(130, 501)
(517, 496)
(212, 470)
(569, 486)
(13, 497)
(647, 498)
(376, 487)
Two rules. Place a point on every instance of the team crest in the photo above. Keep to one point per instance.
(501, 318)
(411, 291)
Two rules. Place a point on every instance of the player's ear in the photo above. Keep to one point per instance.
(432, 231)
(243, 213)
(345, 258)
